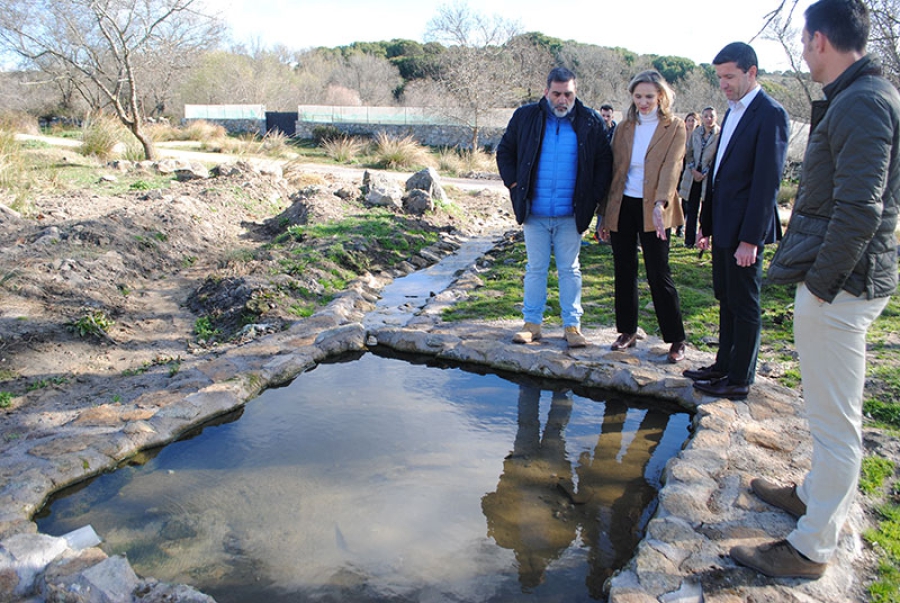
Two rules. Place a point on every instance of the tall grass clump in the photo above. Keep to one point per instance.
(100, 134)
(344, 149)
(19, 122)
(200, 130)
(12, 164)
(275, 144)
(399, 153)
(15, 175)
(462, 162)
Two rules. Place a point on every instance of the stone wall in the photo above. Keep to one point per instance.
(234, 126)
(426, 134)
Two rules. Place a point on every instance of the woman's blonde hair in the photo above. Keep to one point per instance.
(666, 94)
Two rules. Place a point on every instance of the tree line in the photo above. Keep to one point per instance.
(143, 59)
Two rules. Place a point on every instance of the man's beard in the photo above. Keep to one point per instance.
(562, 110)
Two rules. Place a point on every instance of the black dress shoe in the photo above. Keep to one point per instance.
(625, 340)
(722, 389)
(676, 352)
(705, 373)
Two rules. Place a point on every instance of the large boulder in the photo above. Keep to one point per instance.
(429, 181)
(381, 190)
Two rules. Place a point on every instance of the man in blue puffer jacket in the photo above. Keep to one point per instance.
(556, 161)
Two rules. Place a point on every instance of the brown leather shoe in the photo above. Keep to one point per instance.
(783, 497)
(676, 352)
(778, 560)
(722, 389)
(625, 341)
(704, 373)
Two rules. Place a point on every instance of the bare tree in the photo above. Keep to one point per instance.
(698, 91)
(101, 46)
(476, 70)
(884, 38)
(374, 78)
(603, 73)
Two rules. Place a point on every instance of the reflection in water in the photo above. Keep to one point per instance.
(367, 481)
(539, 509)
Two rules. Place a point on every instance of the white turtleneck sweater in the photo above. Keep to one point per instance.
(643, 132)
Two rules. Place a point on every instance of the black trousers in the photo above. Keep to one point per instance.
(740, 314)
(691, 212)
(624, 242)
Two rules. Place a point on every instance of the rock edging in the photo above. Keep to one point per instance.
(704, 505)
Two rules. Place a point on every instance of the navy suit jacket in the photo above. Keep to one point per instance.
(741, 201)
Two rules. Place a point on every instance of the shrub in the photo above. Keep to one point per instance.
(12, 162)
(100, 134)
(399, 153)
(203, 131)
(465, 161)
(344, 149)
(19, 121)
(275, 144)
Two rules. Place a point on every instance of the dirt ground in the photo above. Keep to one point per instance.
(148, 264)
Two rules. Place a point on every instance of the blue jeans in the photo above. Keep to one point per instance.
(559, 237)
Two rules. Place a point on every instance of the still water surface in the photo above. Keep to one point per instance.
(386, 480)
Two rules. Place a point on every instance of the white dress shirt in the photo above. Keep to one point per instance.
(736, 110)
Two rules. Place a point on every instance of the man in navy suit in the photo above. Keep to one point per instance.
(739, 217)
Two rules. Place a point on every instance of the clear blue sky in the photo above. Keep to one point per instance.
(652, 26)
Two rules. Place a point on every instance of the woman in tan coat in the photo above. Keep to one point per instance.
(642, 206)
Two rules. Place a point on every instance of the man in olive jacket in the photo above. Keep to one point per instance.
(841, 251)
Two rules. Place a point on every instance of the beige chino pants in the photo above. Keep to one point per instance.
(831, 342)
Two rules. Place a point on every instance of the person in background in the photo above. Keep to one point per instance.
(701, 151)
(739, 217)
(690, 124)
(556, 162)
(643, 205)
(606, 112)
(841, 252)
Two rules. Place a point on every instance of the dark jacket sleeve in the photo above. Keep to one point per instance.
(863, 145)
(507, 150)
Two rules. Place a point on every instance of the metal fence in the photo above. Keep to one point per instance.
(225, 112)
(402, 116)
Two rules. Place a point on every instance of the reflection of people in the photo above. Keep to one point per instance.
(538, 510)
(701, 150)
(613, 483)
(840, 250)
(739, 217)
(642, 206)
(606, 112)
(523, 513)
(555, 160)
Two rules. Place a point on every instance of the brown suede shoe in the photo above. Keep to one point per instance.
(783, 497)
(529, 333)
(778, 560)
(574, 337)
